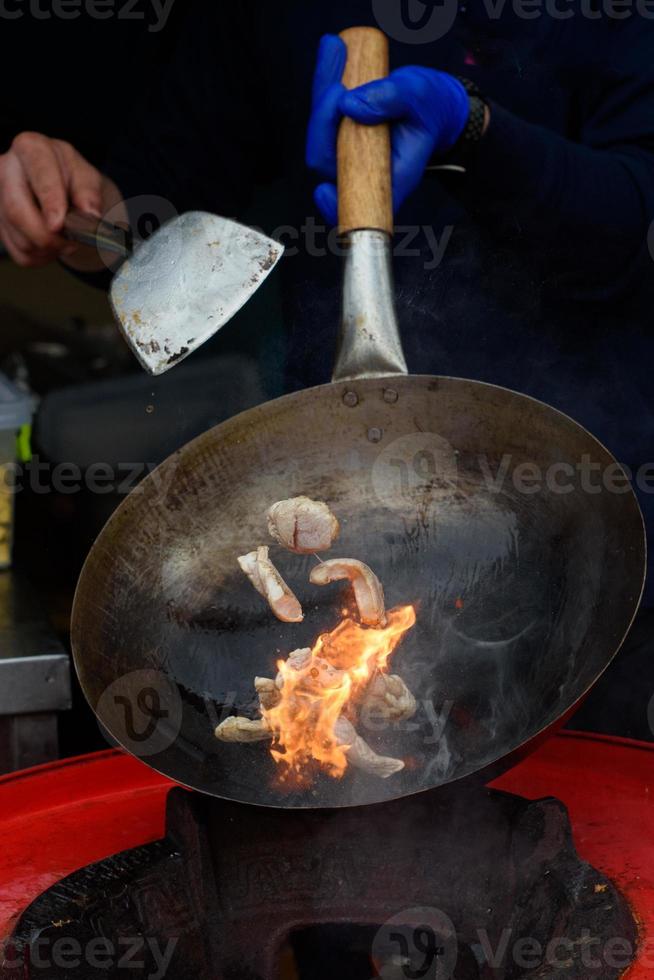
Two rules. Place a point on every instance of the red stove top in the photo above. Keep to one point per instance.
(62, 817)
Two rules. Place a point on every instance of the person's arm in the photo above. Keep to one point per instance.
(588, 204)
(40, 180)
(584, 203)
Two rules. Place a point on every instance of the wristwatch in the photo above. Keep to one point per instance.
(463, 150)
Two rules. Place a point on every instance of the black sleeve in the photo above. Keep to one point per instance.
(588, 200)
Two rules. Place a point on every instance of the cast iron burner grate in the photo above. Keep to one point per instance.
(465, 884)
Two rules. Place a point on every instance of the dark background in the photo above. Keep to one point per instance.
(82, 80)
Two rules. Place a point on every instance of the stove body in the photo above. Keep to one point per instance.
(465, 885)
(433, 884)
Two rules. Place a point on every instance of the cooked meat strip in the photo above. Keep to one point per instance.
(298, 660)
(267, 581)
(360, 755)
(368, 590)
(268, 691)
(389, 698)
(243, 730)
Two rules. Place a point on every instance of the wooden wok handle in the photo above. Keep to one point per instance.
(364, 152)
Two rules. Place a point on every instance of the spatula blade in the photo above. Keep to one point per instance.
(186, 282)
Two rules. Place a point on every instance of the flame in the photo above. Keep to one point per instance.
(324, 684)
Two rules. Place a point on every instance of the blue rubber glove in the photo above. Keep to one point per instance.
(430, 110)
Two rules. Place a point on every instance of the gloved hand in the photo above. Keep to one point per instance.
(430, 110)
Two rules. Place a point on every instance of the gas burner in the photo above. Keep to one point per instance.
(468, 884)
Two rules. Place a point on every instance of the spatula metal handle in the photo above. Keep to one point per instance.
(89, 230)
(369, 344)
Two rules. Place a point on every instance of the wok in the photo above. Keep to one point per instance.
(512, 530)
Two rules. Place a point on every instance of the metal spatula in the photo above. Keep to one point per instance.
(178, 288)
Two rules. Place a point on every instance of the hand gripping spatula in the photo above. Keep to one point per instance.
(178, 288)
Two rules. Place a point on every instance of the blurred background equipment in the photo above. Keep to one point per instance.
(35, 683)
(15, 418)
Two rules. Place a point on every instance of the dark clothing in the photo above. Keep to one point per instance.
(545, 284)
(75, 75)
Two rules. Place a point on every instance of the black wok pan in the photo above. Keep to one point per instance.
(508, 525)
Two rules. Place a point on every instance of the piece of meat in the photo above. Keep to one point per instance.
(243, 730)
(302, 525)
(297, 660)
(269, 583)
(315, 673)
(388, 698)
(359, 753)
(368, 590)
(268, 691)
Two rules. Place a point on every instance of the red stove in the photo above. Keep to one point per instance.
(95, 881)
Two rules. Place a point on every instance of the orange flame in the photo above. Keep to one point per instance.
(321, 685)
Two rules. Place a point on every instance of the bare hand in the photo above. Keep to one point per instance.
(40, 179)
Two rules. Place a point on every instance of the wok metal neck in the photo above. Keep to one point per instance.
(370, 345)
